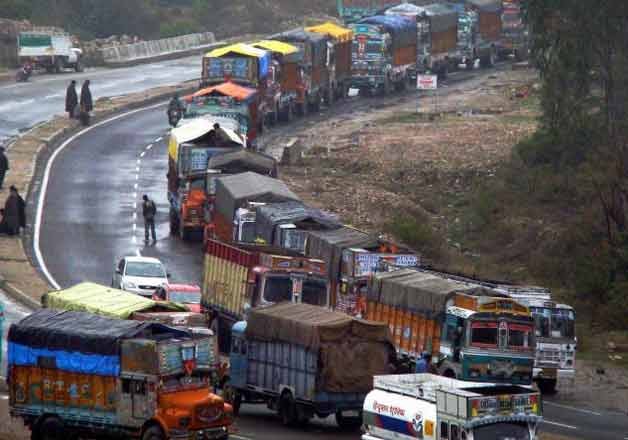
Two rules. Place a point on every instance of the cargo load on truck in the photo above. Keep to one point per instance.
(80, 374)
(286, 224)
(236, 192)
(339, 62)
(471, 332)
(438, 39)
(313, 72)
(351, 11)
(284, 71)
(239, 63)
(515, 38)
(433, 407)
(191, 146)
(49, 49)
(384, 53)
(487, 29)
(295, 357)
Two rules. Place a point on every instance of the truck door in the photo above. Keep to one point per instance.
(136, 390)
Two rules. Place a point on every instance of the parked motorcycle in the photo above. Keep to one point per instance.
(24, 73)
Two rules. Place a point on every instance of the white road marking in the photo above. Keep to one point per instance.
(241, 437)
(41, 201)
(135, 186)
(137, 252)
(158, 139)
(4, 397)
(134, 216)
(139, 161)
(137, 177)
(137, 169)
(585, 411)
(141, 155)
(134, 239)
(134, 205)
(134, 228)
(135, 195)
(549, 422)
(149, 146)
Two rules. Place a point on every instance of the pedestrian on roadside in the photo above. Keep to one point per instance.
(149, 210)
(14, 212)
(4, 166)
(175, 110)
(86, 103)
(71, 100)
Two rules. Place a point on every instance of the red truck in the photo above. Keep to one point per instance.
(239, 277)
(313, 77)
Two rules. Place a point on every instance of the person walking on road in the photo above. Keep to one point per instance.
(14, 212)
(87, 105)
(149, 210)
(4, 165)
(175, 110)
(71, 100)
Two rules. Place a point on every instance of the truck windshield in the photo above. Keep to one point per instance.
(554, 322)
(314, 292)
(502, 431)
(279, 288)
(519, 336)
(484, 334)
(248, 232)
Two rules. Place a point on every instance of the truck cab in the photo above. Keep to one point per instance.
(437, 408)
(490, 341)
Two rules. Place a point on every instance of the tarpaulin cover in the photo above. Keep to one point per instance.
(232, 192)
(402, 28)
(486, 5)
(340, 340)
(317, 44)
(193, 129)
(328, 246)
(104, 301)
(333, 30)
(408, 9)
(269, 216)
(102, 365)
(422, 292)
(442, 17)
(80, 332)
(276, 46)
(246, 50)
(244, 160)
(228, 88)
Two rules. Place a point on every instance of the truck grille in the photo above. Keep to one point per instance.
(548, 355)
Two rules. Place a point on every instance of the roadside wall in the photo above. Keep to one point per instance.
(155, 48)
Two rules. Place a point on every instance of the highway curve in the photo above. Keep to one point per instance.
(88, 221)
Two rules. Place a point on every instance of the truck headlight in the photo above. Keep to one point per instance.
(129, 285)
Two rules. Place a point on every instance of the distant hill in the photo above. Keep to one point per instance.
(163, 18)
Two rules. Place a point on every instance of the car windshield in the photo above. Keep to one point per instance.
(502, 431)
(185, 297)
(145, 269)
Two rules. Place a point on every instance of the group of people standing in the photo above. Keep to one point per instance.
(79, 108)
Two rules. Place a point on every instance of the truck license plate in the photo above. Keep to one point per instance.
(352, 413)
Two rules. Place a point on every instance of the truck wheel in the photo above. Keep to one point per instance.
(387, 86)
(184, 233)
(58, 65)
(78, 67)
(287, 409)
(174, 222)
(348, 423)
(153, 433)
(329, 99)
(50, 428)
(547, 386)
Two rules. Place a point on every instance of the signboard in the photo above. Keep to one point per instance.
(505, 404)
(427, 82)
(362, 264)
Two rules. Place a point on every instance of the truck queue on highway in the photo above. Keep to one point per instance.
(290, 296)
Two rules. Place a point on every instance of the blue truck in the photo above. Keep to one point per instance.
(293, 358)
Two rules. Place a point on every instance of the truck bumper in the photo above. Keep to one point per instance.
(202, 434)
(553, 373)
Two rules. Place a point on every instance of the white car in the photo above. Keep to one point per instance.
(140, 275)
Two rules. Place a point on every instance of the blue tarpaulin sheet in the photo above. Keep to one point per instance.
(101, 365)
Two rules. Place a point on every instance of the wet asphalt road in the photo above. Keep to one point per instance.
(23, 105)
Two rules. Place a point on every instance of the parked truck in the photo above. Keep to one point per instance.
(75, 374)
(49, 49)
(233, 215)
(347, 273)
(241, 64)
(286, 224)
(313, 77)
(432, 407)
(471, 332)
(383, 54)
(238, 278)
(283, 84)
(515, 39)
(554, 328)
(438, 38)
(190, 147)
(487, 30)
(351, 11)
(296, 358)
(339, 59)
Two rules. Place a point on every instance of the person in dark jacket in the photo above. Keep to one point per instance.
(175, 110)
(71, 100)
(149, 210)
(4, 165)
(14, 212)
(86, 103)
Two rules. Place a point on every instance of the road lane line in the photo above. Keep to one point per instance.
(135, 186)
(141, 155)
(137, 177)
(241, 437)
(549, 422)
(139, 161)
(41, 201)
(138, 253)
(158, 139)
(134, 205)
(134, 228)
(585, 411)
(149, 146)
(134, 216)
(137, 169)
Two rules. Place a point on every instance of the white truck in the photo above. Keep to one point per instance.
(426, 406)
(49, 49)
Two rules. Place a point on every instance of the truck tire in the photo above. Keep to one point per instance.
(58, 65)
(184, 233)
(547, 386)
(348, 423)
(78, 67)
(153, 433)
(387, 86)
(287, 409)
(330, 97)
(174, 222)
(51, 428)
